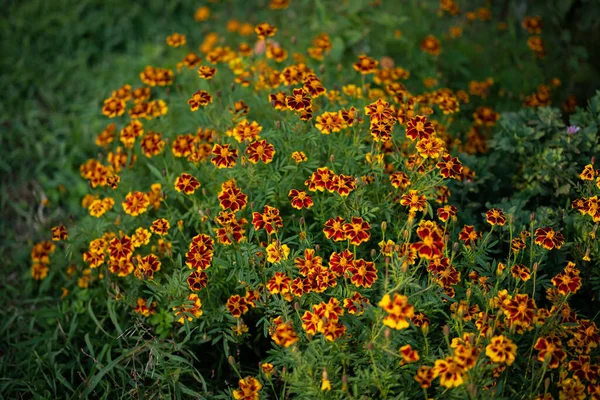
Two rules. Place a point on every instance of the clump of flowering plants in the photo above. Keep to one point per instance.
(268, 218)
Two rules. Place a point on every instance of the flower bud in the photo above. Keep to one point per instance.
(278, 125)
(383, 226)
(446, 330)
(296, 306)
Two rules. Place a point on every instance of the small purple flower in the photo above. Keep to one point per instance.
(573, 129)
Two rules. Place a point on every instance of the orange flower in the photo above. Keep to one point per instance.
(299, 100)
(197, 280)
(249, 388)
(431, 244)
(59, 233)
(501, 350)
(247, 131)
(147, 266)
(200, 98)
(431, 45)
(424, 376)
(588, 173)
(237, 305)
(176, 40)
(136, 203)
(431, 147)
(449, 371)
(186, 183)
(285, 335)
(357, 231)
(265, 30)
(446, 212)
(224, 156)
(399, 311)
(548, 238)
(495, 217)
(160, 226)
(260, 150)
(468, 235)
(520, 271)
(419, 128)
(414, 200)
(533, 24)
(334, 229)
(329, 122)
(450, 167)
(185, 309)
(366, 65)
(550, 350)
(268, 220)
(356, 304)
(113, 107)
(300, 199)
(568, 281)
(340, 262)
(485, 116)
(519, 310)
(233, 199)
(206, 72)
(364, 273)
(408, 354)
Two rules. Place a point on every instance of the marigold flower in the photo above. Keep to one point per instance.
(334, 229)
(197, 280)
(431, 147)
(206, 72)
(189, 311)
(450, 167)
(533, 24)
(269, 220)
(431, 45)
(113, 107)
(247, 131)
(519, 310)
(568, 281)
(233, 199)
(425, 375)
(199, 99)
(419, 128)
(224, 156)
(160, 226)
(366, 65)
(265, 30)
(548, 238)
(431, 244)
(176, 40)
(147, 266)
(300, 199)
(277, 252)
(143, 309)
(550, 351)
(186, 183)
(399, 311)
(39, 271)
(495, 217)
(260, 150)
(59, 233)
(520, 271)
(152, 144)
(443, 271)
(414, 200)
(449, 372)
(329, 122)
(299, 100)
(588, 173)
(446, 212)
(485, 116)
(357, 231)
(583, 370)
(237, 305)
(399, 180)
(364, 273)
(501, 350)
(285, 335)
(468, 235)
(120, 249)
(356, 304)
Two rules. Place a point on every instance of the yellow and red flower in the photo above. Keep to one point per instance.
(186, 183)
